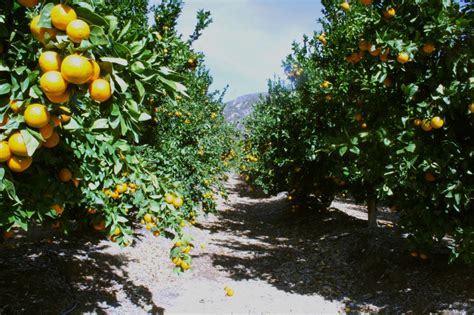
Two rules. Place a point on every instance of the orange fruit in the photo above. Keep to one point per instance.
(121, 188)
(46, 131)
(358, 117)
(40, 32)
(28, 3)
(76, 69)
(59, 99)
(36, 116)
(322, 39)
(19, 164)
(169, 198)
(91, 211)
(389, 13)
(55, 121)
(53, 83)
(437, 122)
(100, 90)
(471, 107)
(76, 182)
(229, 292)
(364, 45)
(184, 265)
(403, 57)
(65, 175)
(52, 141)
(96, 71)
(5, 153)
(14, 106)
(58, 209)
(8, 234)
(428, 48)
(423, 256)
(150, 226)
(363, 125)
(429, 177)
(388, 82)
(65, 118)
(99, 226)
(426, 125)
(178, 202)
(117, 231)
(373, 51)
(414, 254)
(156, 233)
(148, 218)
(78, 30)
(345, 6)
(17, 144)
(417, 122)
(62, 15)
(50, 61)
(325, 84)
(366, 2)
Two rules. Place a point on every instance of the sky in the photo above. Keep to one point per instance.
(248, 39)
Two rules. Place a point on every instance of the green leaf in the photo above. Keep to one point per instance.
(32, 143)
(91, 17)
(119, 61)
(45, 19)
(342, 150)
(100, 124)
(144, 117)
(5, 88)
(98, 36)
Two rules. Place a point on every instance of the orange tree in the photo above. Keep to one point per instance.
(79, 88)
(380, 105)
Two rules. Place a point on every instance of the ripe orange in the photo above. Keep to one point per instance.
(417, 122)
(437, 122)
(100, 90)
(184, 265)
(429, 177)
(363, 125)
(50, 61)
(373, 51)
(148, 218)
(14, 106)
(428, 48)
(345, 6)
(156, 233)
(414, 254)
(117, 231)
(403, 57)
(78, 30)
(121, 188)
(471, 107)
(388, 82)
(325, 84)
(91, 211)
(40, 32)
(46, 131)
(17, 144)
(384, 56)
(76, 182)
(358, 117)
(65, 175)
(5, 153)
(76, 69)
(53, 83)
(178, 202)
(55, 121)
(169, 198)
(28, 3)
(229, 292)
(8, 234)
(59, 99)
(52, 141)
(364, 45)
(62, 15)
(65, 118)
(58, 209)
(99, 226)
(322, 39)
(36, 116)
(426, 125)
(19, 164)
(96, 71)
(389, 13)
(150, 225)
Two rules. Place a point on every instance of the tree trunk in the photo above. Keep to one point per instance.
(372, 208)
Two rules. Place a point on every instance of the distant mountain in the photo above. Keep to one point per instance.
(241, 107)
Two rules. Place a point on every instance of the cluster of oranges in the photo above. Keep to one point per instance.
(185, 249)
(427, 125)
(120, 189)
(76, 69)
(251, 158)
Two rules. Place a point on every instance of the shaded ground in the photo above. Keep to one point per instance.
(277, 261)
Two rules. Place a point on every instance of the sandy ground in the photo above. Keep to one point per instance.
(275, 260)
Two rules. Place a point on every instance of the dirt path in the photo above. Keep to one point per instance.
(275, 260)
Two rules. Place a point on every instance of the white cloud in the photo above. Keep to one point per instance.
(248, 39)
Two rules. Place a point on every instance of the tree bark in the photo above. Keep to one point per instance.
(372, 209)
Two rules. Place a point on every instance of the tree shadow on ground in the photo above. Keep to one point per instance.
(334, 255)
(66, 276)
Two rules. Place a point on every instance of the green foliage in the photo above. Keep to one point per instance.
(348, 117)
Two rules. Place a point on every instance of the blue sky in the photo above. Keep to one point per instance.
(248, 39)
